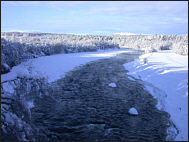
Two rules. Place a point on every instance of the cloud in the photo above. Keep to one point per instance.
(180, 20)
(97, 16)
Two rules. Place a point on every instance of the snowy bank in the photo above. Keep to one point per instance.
(55, 66)
(165, 76)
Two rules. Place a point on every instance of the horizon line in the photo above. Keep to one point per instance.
(114, 34)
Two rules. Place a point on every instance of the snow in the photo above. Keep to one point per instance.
(130, 78)
(133, 111)
(9, 117)
(6, 66)
(55, 66)
(22, 72)
(8, 88)
(165, 76)
(112, 85)
(30, 104)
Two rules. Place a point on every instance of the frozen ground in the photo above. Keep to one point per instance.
(55, 66)
(165, 76)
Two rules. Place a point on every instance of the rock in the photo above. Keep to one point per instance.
(112, 85)
(133, 111)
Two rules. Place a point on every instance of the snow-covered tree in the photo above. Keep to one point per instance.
(17, 47)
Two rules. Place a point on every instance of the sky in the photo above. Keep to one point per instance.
(96, 17)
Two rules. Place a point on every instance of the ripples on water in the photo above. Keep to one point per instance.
(92, 115)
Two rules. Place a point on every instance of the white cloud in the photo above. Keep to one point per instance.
(182, 20)
(98, 16)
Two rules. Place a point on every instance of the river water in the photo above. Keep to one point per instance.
(85, 108)
(82, 106)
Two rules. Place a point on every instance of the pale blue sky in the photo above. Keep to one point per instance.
(96, 17)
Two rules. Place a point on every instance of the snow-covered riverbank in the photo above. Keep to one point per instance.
(168, 72)
(55, 66)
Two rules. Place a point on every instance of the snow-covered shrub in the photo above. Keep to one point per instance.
(165, 45)
(12, 54)
(16, 105)
(5, 68)
(149, 49)
(23, 72)
(157, 47)
(162, 45)
(180, 48)
(58, 48)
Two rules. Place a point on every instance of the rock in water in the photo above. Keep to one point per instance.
(133, 111)
(112, 85)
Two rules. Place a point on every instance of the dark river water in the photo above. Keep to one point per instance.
(85, 108)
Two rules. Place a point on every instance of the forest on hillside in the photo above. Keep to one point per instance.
(17, 47)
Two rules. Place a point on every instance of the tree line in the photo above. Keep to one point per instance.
(17, 47)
